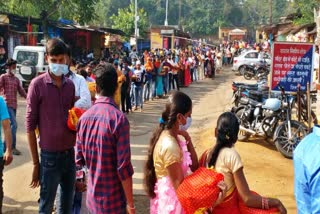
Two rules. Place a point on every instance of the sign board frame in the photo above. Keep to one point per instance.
(292, 65)
(167, 31)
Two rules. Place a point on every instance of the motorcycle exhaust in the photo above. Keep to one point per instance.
(247, 130)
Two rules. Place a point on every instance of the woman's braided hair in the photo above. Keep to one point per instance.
(227, 134)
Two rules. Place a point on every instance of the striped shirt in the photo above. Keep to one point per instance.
(9, 86)
(103, 145)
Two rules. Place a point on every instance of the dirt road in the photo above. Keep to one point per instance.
(268, 173)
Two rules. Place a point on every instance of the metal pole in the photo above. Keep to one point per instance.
(180, 5)
(166, 21)
(136, 23)
(270, 12)
(135, 19)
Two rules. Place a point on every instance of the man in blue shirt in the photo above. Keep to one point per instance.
(7, 156)
(307, 173)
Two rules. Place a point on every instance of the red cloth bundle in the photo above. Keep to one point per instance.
(199, 190)
(73, 118)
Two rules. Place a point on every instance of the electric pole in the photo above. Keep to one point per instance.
(166, 21)
(270, 12)
(135, 19)
(180, 5)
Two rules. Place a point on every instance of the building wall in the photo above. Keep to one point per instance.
(224, 31)
(156, 40)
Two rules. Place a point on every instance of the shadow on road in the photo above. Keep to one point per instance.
(11, 206)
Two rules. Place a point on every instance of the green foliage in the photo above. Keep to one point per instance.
(81, 11)
(305, 7)
(199, 17)
(124, 20)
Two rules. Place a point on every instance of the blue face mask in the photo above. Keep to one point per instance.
(58, 69)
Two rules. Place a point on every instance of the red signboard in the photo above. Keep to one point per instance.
(292, 65)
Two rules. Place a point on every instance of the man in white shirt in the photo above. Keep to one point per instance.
(138, 80)
(83, 97)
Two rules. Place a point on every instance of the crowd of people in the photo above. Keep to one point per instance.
(154, 74)
(100, 140)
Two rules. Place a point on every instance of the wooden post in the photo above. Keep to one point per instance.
(299, 102)
(309, 106)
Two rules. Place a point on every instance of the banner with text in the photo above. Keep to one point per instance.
(292, 64)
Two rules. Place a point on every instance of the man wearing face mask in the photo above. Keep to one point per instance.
(9, 87)
(50, 96)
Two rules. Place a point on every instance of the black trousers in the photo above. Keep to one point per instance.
(125, 101)
(173, 81)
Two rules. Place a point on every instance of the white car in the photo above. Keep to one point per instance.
(30, 63)
(249, 58)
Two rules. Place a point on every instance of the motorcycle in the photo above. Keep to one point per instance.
(256, 71)
(290, 132)
(257, 118)
(271, 120)
(260, 93)
(253, 91)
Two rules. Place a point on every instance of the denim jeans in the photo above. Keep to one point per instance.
(138, 92)
(57, 168)
(195, 75)
(132, 94)
(147, 90)
(13, 123)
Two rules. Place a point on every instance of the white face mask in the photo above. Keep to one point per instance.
(187, 125)
(58, 69)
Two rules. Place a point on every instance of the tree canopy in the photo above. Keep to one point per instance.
(124, 20)
(82, 11)
(199, 17)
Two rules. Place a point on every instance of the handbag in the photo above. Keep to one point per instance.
(199, 191)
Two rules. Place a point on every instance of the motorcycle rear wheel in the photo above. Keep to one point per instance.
(285, 145)
(247, 75)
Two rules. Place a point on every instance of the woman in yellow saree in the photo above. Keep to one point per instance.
(226, 160)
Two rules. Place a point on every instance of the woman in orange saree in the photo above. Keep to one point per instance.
(226, 160)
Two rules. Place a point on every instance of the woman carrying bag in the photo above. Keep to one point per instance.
(226, 160)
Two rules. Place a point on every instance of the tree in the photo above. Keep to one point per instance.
(305, 7)
(124, 21)
(82, 10)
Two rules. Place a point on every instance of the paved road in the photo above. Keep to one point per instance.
(210, 98)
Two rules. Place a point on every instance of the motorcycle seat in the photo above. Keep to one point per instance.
(244, 84)
(250, 88)
(257, 93)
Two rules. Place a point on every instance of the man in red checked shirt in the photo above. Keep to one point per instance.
(9, 87)
(103, 145)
